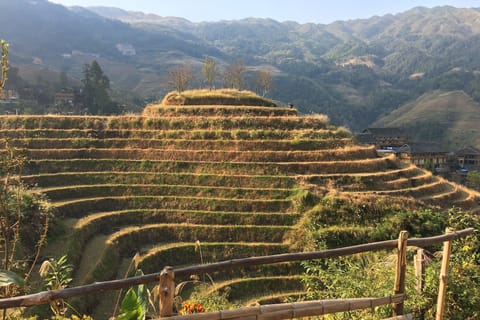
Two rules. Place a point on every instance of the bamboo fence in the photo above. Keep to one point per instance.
(282, 311)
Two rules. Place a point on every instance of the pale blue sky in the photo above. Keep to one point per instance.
(317, 11)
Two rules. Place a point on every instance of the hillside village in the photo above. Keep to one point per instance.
(430, 155)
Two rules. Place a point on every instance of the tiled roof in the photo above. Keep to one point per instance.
(422, 147)
(468, 150)
(385, 132)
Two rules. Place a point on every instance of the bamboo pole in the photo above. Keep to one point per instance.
(401, 269)
(293, 310)
(419, 265)
(447, 249)
(167, 291)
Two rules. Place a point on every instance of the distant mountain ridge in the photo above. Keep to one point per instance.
(355, 71)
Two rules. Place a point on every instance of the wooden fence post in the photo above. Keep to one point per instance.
(442, 289)
(167, 291)
(399, 287)
(419, 264)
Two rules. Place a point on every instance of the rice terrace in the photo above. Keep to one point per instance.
(204, 177)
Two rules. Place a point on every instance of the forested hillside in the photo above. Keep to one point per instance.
(354, 71)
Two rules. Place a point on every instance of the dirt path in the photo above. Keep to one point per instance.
(90, 256)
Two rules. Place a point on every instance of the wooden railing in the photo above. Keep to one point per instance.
(168, 276)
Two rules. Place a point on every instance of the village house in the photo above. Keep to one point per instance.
(9, 95)
(383, 138)
(396, 141)
(63, 98)
(468, 158)
(425, 154)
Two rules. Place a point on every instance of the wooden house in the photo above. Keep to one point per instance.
(383, 138)
(424, 154)
(468, 157)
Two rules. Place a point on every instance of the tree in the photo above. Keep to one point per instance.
(210, 71)
(4, 64)
(234, 75)
(180, 77)
(264, 81)
(473, 180)
(95, 95)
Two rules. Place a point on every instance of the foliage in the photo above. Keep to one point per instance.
(180, 77)
(418, 223)
(56, 274)
(24, 220)
(8, 278)
(370, 275)
(463, 289)
(134, 304)
(473, 180)
(95, 96)
(264, 81)
(202, 297)
(3, 64)
(234, 75)
(363, 275)
(210, 71)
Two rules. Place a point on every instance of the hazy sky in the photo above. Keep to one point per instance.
(318, 11)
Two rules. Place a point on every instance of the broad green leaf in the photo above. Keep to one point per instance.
(8, 277)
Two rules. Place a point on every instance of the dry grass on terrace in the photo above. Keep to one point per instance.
(216, 97)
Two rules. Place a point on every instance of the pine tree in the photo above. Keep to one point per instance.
(95, 95)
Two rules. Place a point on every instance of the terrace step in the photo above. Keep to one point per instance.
(423, 178)
(363, 181)
(469, 200)
(343, 154)
(242, 290)
(82, 207)
(129, 240)
(220, 110)
(108, 223)
(164, 123)
(104, 222)
(42, 166)
(66, 193)
(180, 144)
(198, 134)
(179, 254)
(436, 186)
(276, 298)
(145, 177)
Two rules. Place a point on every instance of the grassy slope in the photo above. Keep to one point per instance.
(450, 118)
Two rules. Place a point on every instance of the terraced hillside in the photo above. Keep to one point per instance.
(236, 179)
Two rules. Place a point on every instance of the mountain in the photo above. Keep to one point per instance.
(355, 71)
(451, 118)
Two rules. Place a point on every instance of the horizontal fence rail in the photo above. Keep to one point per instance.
(46, 297)
(293, 310)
